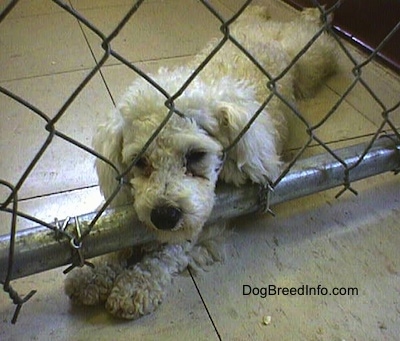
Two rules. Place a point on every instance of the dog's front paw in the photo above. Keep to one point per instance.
(135, 293)
(91, 286)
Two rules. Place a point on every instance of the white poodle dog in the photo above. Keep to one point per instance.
(172, 178)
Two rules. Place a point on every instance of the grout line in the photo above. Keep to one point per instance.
(364, 115)
(205, 306)
(109, 5)
(39, 196)
(151, 60)
(333, 142)
(44, 75)
(100, 72)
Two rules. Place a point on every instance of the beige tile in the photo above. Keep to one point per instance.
(119, 77)
(30, 8)
(350, 242)
(317, 109)
(158, 30)
(60, 205)
(181, 6)
(62, 166)
(41, 45)
(277, 9)
(314, 240)
(105, 4)
(383, 83)
(49, 315)
(315, 149)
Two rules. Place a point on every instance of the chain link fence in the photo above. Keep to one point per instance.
(71, 241)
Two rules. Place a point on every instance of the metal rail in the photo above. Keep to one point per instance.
(37, 249)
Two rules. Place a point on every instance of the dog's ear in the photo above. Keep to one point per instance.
(108, 143)
(255, 156)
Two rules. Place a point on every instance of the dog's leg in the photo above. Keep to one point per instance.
(209, 247)
(92, 286)
(319, 61)
(140, 290)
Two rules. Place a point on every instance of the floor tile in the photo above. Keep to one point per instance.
(47, 208)
(350, 242)
(119, 77)
(317, 109)
(379, 82)
(41, 45)
(280, 10)
(49, 315)
(62, 166)
(90, 4)
(30, 8)
(156, 31)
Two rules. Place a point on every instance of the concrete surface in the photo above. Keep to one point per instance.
(317, 241)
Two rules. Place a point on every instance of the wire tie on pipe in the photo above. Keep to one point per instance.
(76, 245)
(59, 229)
(396, 147)
(265, 199)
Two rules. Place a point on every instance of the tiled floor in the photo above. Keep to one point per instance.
(349, 242)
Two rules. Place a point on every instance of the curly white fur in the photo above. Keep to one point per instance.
(172, 182)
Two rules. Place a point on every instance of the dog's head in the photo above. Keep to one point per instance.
(173, 171)
(173, 181)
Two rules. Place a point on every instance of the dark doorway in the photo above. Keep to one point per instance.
(366, 23)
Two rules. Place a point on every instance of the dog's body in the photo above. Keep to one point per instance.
(172, 181)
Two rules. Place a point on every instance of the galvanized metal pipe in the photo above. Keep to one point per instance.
(37, 250)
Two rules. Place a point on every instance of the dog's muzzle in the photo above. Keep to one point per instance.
(165, 217)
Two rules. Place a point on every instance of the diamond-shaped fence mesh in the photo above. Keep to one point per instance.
(301, 176)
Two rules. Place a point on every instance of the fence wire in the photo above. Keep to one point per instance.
(10, 203)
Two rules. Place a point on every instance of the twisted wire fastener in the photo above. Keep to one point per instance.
(76, 244)
(392, 138)
(265, 199)
(60, 230)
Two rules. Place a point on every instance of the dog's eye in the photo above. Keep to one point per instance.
(142, 163)
(194, 157)
(193, 162)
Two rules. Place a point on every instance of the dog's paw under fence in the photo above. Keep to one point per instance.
(76, 239)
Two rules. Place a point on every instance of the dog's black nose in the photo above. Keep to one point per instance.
(165, 217)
